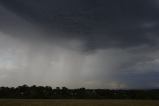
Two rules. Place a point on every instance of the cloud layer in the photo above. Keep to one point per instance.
(94, 44)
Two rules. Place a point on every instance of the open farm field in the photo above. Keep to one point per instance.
(23, 102)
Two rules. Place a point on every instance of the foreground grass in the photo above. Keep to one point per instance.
(16, 102)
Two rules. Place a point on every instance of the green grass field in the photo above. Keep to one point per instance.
(13, 102)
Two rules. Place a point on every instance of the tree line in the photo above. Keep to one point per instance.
(47, 92)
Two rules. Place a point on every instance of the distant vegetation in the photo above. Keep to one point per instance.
(40, 92)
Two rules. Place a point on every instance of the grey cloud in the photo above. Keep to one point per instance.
(111, 23)
(91, 43)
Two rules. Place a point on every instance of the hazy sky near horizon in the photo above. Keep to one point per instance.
(80, 43)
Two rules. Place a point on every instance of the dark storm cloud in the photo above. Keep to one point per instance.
(135, 80)
(90, 43)
(101, 23)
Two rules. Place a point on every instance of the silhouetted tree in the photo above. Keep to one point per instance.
(40, 92)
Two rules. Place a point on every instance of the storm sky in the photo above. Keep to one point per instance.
(110, 44)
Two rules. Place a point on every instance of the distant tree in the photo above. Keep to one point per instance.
(40, 92)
